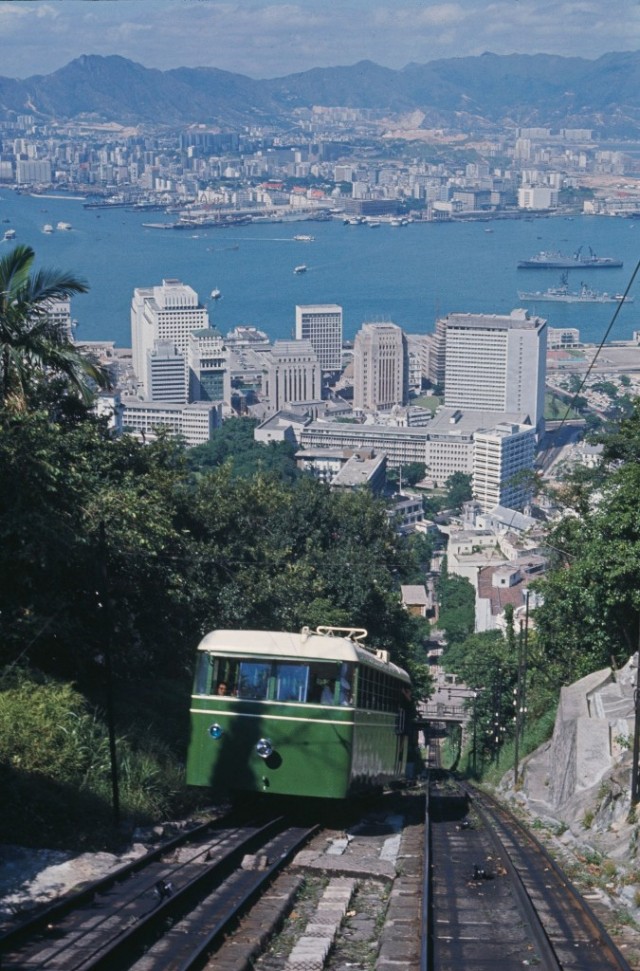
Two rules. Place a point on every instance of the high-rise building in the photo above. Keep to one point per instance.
(500, 456)
(321, 324)
(496, 363)
(168, 312)
(293, 374)
(209, 376)
(166, 377)
(380, 367)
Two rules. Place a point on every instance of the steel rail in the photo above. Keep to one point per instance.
(546, 951)
(136, 920)
(216, 916)
(426, 910)
(504, 820)
(59, 908)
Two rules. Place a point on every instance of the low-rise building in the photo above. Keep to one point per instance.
(284, 426)
(362, 470)
(195, 423)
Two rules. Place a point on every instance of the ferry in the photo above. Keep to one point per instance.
(300, 269)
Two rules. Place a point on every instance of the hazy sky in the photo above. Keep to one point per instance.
(268, 38)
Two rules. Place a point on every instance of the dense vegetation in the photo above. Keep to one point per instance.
(116, 557)
(586, 609)
(590, 615)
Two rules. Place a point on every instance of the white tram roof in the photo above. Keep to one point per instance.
(305, 646)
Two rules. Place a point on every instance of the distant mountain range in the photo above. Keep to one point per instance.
(480, 94)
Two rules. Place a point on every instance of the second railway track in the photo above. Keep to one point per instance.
(498, 900)
(168, 912)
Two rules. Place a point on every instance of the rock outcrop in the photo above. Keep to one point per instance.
(581, 778)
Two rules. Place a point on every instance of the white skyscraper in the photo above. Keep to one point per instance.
(500, 456)
(380, 367)
(496, 363)
(321, 324)
(168, 312)
(166, 377)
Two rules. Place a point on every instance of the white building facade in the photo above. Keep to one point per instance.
(166, 377)
(170, 312)
(195, 423)
(500, 457)
(496, 363)
(321, 325)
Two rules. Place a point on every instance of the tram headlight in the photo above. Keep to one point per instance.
(215, 731)
(264, 748)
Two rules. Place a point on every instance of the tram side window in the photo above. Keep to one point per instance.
(292, 681)
(376, 690)
(254, 680)
(365, 693)
(204, 675)
(213, 672)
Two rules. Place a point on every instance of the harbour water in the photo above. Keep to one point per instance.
(410, 274)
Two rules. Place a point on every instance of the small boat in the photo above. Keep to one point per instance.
(9, 234)
(300, 269)
(47, 228)
(215, 294)
(64, 225)
(304, 239)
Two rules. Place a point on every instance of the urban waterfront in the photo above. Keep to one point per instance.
(410, 275)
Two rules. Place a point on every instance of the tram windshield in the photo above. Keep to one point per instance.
(317, 682)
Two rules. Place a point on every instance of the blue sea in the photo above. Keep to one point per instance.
(410, 275)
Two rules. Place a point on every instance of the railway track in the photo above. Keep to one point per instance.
(497, 899)
(484, 895)
(169, 910)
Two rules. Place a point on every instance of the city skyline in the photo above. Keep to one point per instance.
(270, 38)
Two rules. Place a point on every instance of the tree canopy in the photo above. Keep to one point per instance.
(183, 553)
(589, 613)
(32, 343)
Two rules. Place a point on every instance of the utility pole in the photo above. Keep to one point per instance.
(635, 771)
(104, 605)
(517, 700)
(475, 734)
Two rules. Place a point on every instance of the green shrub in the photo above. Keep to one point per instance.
(55, 764)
